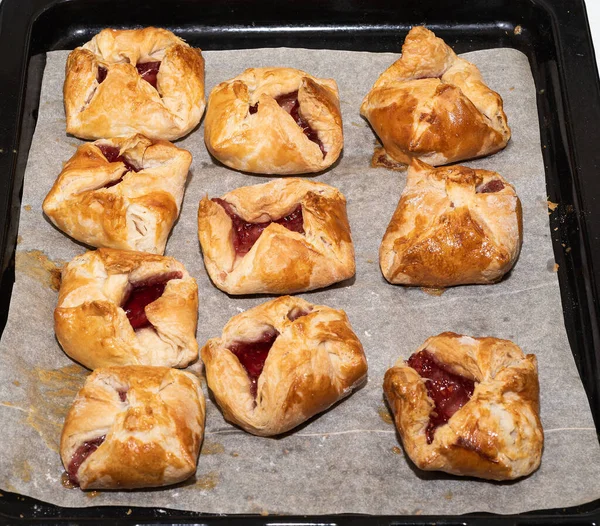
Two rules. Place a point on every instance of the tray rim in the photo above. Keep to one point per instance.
(568, 18)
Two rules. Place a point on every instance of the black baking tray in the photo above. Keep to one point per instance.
(554, 34)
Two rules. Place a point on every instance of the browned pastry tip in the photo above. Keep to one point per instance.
(134, 427)
(453, 226)
(123, 193)
(129, 81)
(118, 307)
(275, 121)
(278, 364)
(285, 236)
(433, 105)
(468, 406)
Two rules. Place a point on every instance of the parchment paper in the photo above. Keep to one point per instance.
(348, 459)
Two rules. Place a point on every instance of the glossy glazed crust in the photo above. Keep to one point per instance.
(444, 233)
(124, 103)
(92, 327)
(316, 361)
(497, 434)
(269, 141)
(281, 261)
(432, 105)
(152, 438)
(135, 214)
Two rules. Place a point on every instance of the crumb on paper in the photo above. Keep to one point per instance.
(27, 208)
(555, 267)
(433, 291)
(552, 206)
(129, 511)
(264, 513)
(92, 494)
(396, 450)
(37, 265)
(385, 415)
(518, 30)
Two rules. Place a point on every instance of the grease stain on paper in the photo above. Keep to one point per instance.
(207, 482)
(385, 415)
(36, 265)
(212, 448)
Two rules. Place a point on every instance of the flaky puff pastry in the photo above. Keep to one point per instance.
(90, 319)
(91, 203)
(497, 434)
(315, 360)
(247, 129)
(134, 427)
(105, 96)
(280, 261)
(434, 106)
(453, 226)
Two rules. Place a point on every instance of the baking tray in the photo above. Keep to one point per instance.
(554, 34)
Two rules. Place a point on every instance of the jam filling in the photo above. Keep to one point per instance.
(448, 391)
(122, 394)
(149, 71)
(246, 234)
(142, 294)
(296, 313)
(101, 74)
(80, 455)
(252, 356)
(112, 156)
(290, 103)
(494, 185)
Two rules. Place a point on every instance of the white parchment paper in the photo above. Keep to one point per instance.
(348, 459)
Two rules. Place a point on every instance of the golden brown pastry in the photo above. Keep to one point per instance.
(275, 121)
(117, 307)
(133, 427)
(468, 406)
(289, 235)
(280, 363)
(122, 193)
(453, 226)
(434, 106)
(130, 81)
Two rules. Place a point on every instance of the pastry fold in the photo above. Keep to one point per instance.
(90, 319)
(134, 427)
(130, 203)
(281, 261)
(497, 434)
(106, 96)
(315, 360)
(453, 226)
(433, 105)
(247, 129)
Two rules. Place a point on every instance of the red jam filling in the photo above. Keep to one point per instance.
(101, 74)
(296, 313)
(122, 394)
(290, 103)
(141, 295)
(494, 185)
(80, 455)
(448, 391)
(149, 71)
(246, 234)
(252, 355)
(112, 156)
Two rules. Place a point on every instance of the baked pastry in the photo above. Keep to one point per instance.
(468, 406)
(133, 427)
(275, 121)
(434, 106)
(285, 236)
(122, 193)
(453, 226)
(117, 307)
(280, 363)
(130, 81)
